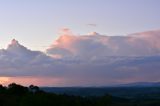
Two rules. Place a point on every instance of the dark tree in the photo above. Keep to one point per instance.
(16, 89)
(34, 88)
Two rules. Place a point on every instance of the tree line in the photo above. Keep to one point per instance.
(18, 95)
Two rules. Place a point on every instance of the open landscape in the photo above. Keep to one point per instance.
(18, 95)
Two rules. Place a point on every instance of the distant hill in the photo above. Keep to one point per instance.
(132, 90)
(140, 84)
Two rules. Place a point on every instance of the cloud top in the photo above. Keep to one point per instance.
(97, 45)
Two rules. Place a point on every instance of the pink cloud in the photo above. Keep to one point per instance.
(91, 59)
(151, 37)
(94, 44)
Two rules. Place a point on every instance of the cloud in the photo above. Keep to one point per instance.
(151, 38)
(97, 45)
(84, 60)
(92, 25)
(18, 60)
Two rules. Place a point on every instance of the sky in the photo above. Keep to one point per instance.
(36, 23)
(79, 43)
